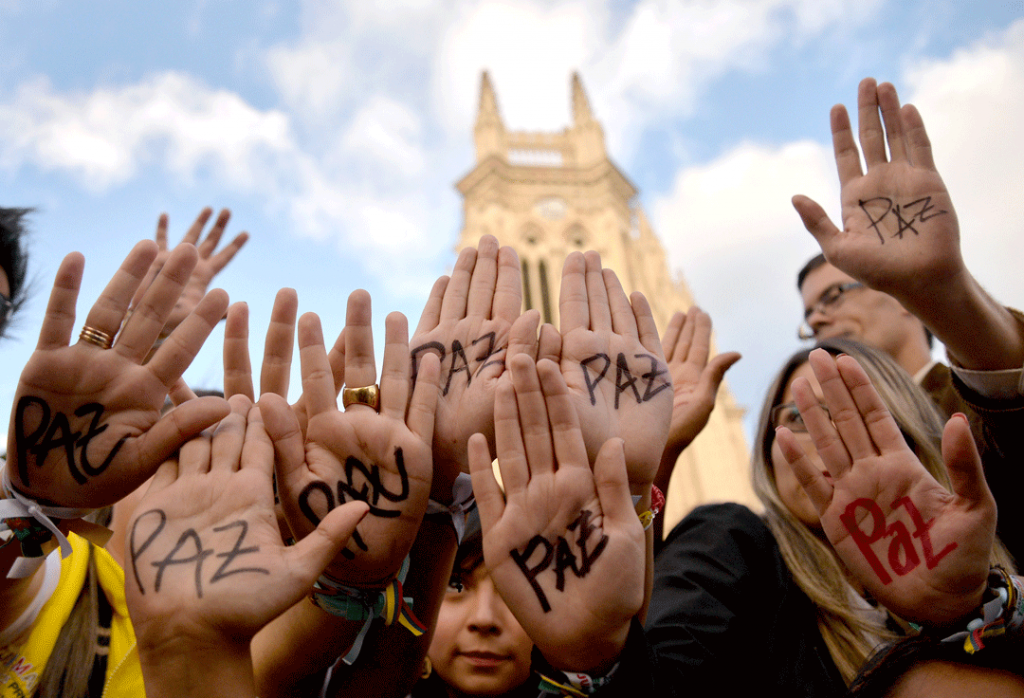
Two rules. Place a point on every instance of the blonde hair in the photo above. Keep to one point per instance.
(851, 629)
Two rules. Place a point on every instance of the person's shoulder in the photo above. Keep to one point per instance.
(730, 518)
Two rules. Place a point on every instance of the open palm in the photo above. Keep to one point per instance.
(920, 549)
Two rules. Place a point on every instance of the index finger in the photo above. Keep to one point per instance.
(484, 278)
(237, 367)
(275, 373)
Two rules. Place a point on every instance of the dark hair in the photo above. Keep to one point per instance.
(470, 554)
(13, 259)
(812, 264)
(819, 260)
(886, 668)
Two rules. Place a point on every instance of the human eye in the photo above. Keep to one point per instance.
(794, 420)
(831, 295)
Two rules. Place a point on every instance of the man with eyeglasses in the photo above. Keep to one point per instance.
(836, 305)
(895, 275)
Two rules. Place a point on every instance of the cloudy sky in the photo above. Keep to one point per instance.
(335, 130)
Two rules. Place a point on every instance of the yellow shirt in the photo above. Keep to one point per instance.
(21, 666)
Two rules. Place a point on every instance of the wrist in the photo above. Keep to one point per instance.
(196, 665)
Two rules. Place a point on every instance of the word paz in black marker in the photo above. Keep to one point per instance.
(460, 362)
(56, 433)
(191, 538)
(924, 213)
(599, 365)
(367, 487)
(561, 554)
(902, 556)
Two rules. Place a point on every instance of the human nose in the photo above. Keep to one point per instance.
(814, 322)
(486, 614)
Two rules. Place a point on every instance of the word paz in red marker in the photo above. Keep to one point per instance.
(902, 555)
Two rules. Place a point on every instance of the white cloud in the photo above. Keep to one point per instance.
(170, 119)
(972, 104)
(742, 198)
(386, 135)
(530, 49)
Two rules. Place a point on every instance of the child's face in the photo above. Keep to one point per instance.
(478, 646)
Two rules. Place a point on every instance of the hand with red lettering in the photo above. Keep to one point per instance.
(695, 382)
(206, 567)
(87, 428)
(382, 458)
(614, 366)
(275, 374)
(208, 266)
(563, 545)
(919, 549)
(467, 322)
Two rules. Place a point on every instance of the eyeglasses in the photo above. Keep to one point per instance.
(788, 415)
(828, 301)
(6, 308)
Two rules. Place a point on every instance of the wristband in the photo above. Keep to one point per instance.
(657, 504)
(463, 503)
(353, 603)
(1003, 612)
(568, 683)
(33, 525)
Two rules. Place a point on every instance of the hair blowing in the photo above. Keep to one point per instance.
(850, 628)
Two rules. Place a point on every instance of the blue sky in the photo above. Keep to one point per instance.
(335, 131)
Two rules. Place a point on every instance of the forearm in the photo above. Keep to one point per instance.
(302, 641)
(978, 332)
(431, 560)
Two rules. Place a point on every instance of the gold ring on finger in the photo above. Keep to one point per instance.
(368, 395)
(97, 337)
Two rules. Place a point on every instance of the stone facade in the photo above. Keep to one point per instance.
(547, 194)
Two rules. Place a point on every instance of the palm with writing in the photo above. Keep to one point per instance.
(563, 544)
(614, 366)
(882, 504)
(381, 458)
(205, 561)
(208, 265)
(467, 321)
(900, 232)
(86, 428)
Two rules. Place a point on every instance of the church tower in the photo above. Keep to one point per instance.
(547, 194)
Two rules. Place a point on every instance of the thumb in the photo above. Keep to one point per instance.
(714, 372)
(311, 555)
(814, 218)
(612, 484)
(960, 454)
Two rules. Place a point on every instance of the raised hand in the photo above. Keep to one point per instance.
(206, 566)
(275, 374)
(86, 428)
(900, 233)
(919, 549)
(381, 458)
(467, 322)
(208, 265)
(614, 366)
(695, 379)
(563, 544)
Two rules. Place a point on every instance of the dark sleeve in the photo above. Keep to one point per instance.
(998, 429)
(720, 588)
